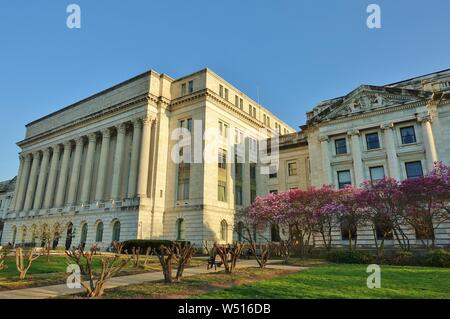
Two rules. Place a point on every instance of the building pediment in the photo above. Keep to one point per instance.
(365, 98)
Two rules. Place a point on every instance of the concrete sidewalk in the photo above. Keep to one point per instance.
(63, 290)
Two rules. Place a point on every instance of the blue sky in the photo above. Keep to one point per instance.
(296, 52)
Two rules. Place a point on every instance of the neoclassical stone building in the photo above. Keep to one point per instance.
(104, 166)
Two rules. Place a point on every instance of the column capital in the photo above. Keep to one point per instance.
(106, 133)
(423, 118)
(46, 151)
(92, 137)
(121, 128)
(36, 154)
(324, 138)
(353, 132)
(79, 141)
(147, 119)
(137, 123)
(67, 145)
(28, 157)
(387, 126)
(56, 149)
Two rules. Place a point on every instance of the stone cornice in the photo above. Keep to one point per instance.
(112, 110)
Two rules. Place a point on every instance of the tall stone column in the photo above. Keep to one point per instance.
(430, 145)
(87, 179)
(134, 161)
(31, 190)
(357, 157)
(144, 160)
(326, 160)
(389, 141)
(75, 178)
(118, 162)
(64, 172)
(17, 187)
(50, 191)
(42, 179)
(23, 183)
(103, 165)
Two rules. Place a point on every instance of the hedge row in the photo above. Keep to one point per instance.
(433, 258)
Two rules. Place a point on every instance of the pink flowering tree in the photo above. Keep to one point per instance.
(384, 204)
(349, 211)
(427, 201)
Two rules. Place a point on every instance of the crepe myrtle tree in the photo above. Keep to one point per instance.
(384, 203)
(427, 203)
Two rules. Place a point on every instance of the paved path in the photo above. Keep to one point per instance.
(62, 290)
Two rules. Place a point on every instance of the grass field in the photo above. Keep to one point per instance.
(346, 281)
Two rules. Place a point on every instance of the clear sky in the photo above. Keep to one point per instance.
(296, 52)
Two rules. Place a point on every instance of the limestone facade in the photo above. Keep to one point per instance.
(102, 167)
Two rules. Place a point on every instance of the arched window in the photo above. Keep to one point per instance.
(14, 234)
(84, 230)
(116, 231)
(240, 232)
(69, 235)
(99, 232)
(180, 229)
(224, 230)
(24, 234)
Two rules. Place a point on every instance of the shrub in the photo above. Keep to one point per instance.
(349, 257)
(437, 258)
(403, 258)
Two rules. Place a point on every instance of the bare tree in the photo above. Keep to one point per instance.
(3, 254)
(184, 254)
(24, 259)
(147, 256)
(166, 256)
(110, 266)
(229, 254)
(135, 256)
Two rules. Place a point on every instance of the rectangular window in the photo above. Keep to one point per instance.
(223, 129)
(222, 177)
(344, 178)
(376, 173)
(408, 135)
(183, 89)
(341, 146)
(292, 169)
(184, 171)
(241, 104)
(238, 179)
(220, 90)
(372, 140)
(252, 182)
(273, 191)
(414, 169)
(191, 86)
(264, 117)
(273, 171)
(236, 101)
(226, 94)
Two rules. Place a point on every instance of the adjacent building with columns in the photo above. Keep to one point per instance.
(102, 167)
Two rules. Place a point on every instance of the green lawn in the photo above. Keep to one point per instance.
(345, 281)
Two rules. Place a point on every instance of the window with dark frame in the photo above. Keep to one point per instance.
(292, 169)
(372, 141)
(191, 86)
(408, 135)
(414, 169)
(341, 146)
(344, 178)
(376, 173)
